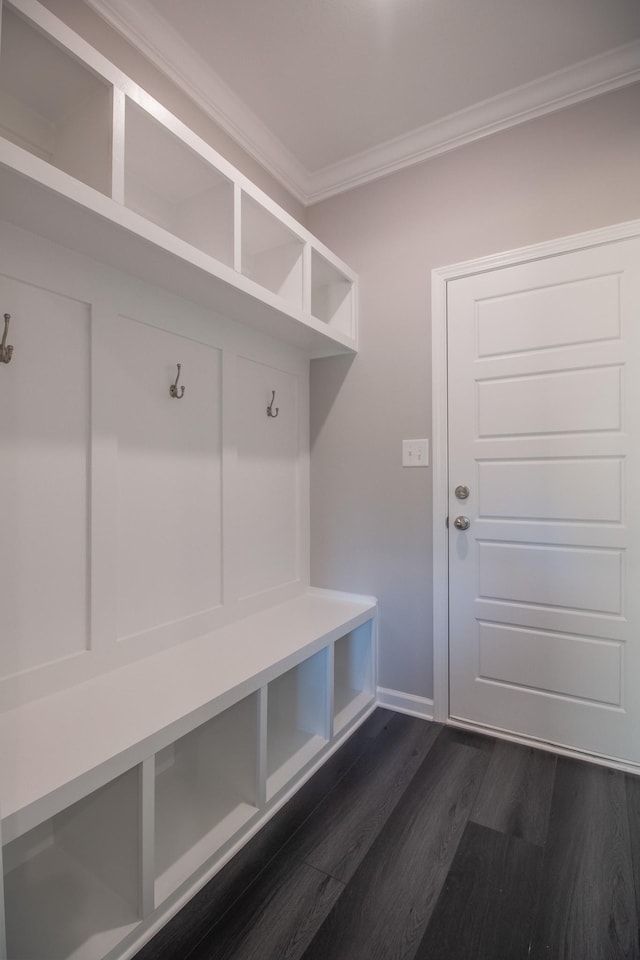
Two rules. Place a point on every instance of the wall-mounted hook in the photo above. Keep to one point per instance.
(270, 412)
(173, 389)
(6, 352)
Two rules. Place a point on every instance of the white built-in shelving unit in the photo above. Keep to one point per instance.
(130, 774)
(178, 759)
(90, 160)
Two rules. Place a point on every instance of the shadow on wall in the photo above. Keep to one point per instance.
(332, 372)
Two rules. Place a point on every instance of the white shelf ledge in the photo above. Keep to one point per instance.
(42, 199)
(49, 758)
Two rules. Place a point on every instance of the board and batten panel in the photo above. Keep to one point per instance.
(169, 488)
(268, 535)
(44, 478)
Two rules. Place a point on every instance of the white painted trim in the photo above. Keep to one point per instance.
(145, 29)
(582, 81)
(440, 277)
(405, 703)
(556, 748)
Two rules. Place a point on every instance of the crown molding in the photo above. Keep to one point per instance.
(139, 23)
(589, 78)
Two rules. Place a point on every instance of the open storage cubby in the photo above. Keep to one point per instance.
(172, 185)
(206, 791)
(73, 884)
(53, 105)
(332, 293)
(297, 727)
(65, 107)
(353, 672)
(271, 253)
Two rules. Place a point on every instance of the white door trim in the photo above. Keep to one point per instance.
(440, 277)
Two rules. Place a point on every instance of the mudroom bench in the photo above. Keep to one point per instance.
(122, 795)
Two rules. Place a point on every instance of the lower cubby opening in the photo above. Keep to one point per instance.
(72, 884)
(206, 792)
(297, 727)
(352, 675)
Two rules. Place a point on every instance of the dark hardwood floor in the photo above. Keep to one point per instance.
(422, 842)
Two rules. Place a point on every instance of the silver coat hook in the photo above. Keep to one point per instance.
(270, 412)
(173, 389)
(6, 352)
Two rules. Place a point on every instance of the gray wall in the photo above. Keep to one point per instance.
(371, 519)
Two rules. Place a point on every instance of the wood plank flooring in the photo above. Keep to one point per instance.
(422, 842)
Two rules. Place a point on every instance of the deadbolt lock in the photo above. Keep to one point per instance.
(461, 492)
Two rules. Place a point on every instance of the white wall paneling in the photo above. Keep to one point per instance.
(142, 494)
(169, 486)
(44, 479)
(269, 544)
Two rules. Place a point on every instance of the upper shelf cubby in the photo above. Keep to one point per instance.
(89, 160)
(332, 294)
(272, 254)
(53, 105)
(175, 187)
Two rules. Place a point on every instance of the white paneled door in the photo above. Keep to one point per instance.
(544, 431)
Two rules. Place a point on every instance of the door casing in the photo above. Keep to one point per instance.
(440, 277)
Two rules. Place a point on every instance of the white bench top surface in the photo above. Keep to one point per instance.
(52, 742)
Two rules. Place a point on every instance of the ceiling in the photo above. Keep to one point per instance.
(327, 94)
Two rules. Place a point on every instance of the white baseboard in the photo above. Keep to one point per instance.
(405, 703)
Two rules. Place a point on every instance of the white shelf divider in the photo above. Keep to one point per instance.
(353, 686)
(147, 836)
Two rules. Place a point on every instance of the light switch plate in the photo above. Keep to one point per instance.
(415, 453)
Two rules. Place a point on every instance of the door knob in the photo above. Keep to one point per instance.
(462, 523)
